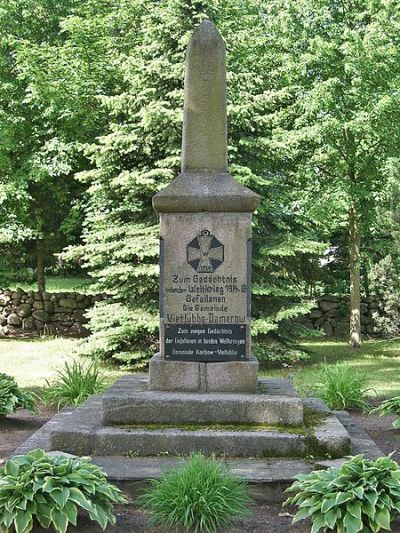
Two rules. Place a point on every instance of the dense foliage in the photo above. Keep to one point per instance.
(200, 496)
(36, 489)
(12, 397)
(361, 495)
(94, 91)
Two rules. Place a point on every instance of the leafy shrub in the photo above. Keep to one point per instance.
(384, 283)
(38, 489)
(74, 384)
(13, 398)
(390, 407)
(201, 496)
(362, 495)
(341, 386)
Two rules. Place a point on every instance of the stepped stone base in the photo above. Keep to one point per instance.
(130, 402)
(192, 376)
(84, 432)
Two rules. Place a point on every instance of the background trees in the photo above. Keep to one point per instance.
(90, 112)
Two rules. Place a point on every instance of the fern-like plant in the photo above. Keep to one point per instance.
(13, 398)
(390, 407)
(360, 496)
(36, 489)
(200, 497)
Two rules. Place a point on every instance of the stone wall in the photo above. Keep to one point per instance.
(331, 315)
(50, 313)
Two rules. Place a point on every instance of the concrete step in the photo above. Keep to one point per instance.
(130, 402)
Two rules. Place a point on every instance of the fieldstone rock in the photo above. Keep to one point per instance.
(28, 323)
(363, 309)
(3, 321)
(7, 310)
(327, 305)
(13, 320)
(315, 313)
(319, 322)
(30, 300)
(46, 295)
(365, 319)
(68, 303)
(332, 313)
(374, 305)
(51, 329)
(327, 329)
(39, 324)
(40, 315)
(342, 329)
(62, 310)
(49, 307)
(38, 305)
(37, 296)
(24, 310)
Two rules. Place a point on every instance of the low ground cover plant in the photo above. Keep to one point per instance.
(13, 398)
(74, 384)
(390, 407)
(361, 496)
(201, 496)
(36, 489)
(340, 386)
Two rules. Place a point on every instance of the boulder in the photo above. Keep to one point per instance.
(29, 323)
(40, 315)
(67, 302)
(315, 313)
(14, 320)
(327, 329)
(327, 305)
(24, 310)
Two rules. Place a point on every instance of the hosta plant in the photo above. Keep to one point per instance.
(361, 496)
(12, 397)
(201, 496)
(390, 407)
(38, 489)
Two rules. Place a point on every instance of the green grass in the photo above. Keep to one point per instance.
(57, 284)
(379, 360)
(33, 361)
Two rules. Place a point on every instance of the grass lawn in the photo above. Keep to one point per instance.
(379, 360)
(32, 361)
(57, 284)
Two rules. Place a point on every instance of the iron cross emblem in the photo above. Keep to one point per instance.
(205, 253)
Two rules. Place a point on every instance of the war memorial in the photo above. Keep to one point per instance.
(202, 392)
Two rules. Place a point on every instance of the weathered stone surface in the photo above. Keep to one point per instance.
(40, 315)
(13, 320)
(69, 303)
(122, 405)
(28, 324)
(328, 305)
(327, 329)
(192, 376)
(24, 310)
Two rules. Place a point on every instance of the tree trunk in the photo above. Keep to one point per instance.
(354, 242)
(40, 265)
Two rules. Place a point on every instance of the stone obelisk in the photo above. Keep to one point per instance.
(205, 250)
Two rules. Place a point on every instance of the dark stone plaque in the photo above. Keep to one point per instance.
(205, 342)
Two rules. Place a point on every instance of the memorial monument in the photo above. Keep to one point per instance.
(205, 252)
(202, 392)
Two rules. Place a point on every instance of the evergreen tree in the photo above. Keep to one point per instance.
(140, 154)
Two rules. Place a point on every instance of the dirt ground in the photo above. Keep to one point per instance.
(265, 518)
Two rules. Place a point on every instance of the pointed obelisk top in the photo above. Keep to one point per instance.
(205, 183)
(204, 124)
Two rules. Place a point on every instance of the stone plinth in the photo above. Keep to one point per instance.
(130, 402)
(193, 376)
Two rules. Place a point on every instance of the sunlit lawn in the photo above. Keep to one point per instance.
(379, 360)
(58, 284)
(32, 361)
